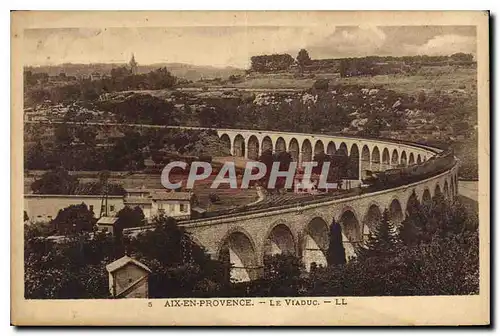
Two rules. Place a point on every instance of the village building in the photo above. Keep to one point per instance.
(159, 202)
(44, 208)
(152, 202)
(107, 224)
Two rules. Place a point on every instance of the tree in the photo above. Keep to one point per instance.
(86, 135)
(285, 159)
(73, 268)
(128, 217)
(445, 264)
(267, 157)
(373, 127)
(63, 136)
(412, 228)
(382, 242)
(463, 57)
(321, 84)
(180, 268)
(421, 97)
(161, 78)
(303, 59)
(55, 182)
(74, 219)
(269, 63)
(336, 252)
(282, 277)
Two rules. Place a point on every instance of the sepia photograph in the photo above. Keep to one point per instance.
(262, 162)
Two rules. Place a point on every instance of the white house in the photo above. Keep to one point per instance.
(155, 202)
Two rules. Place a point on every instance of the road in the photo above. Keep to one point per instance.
(468, 189)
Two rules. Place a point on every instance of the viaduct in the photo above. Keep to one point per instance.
(246, 237)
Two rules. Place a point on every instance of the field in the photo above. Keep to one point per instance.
(444, 78)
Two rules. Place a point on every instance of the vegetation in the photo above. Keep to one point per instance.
(75, 267)
(59, 182)
(74, 219)
(336, 253)
(180, 268)
(269, 63)
(434, 252)
(126, 152)
(70, 269)
(442, 258)
(38, 89)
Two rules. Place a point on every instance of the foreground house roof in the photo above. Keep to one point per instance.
(123, 261)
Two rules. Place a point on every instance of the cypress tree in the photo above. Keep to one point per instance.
(411, 227)
(336, 253)
(382, 241)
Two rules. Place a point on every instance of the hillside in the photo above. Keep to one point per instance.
(183, 70)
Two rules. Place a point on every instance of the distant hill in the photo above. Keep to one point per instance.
(182, 70)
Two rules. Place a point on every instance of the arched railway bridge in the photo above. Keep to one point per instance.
(245, 238)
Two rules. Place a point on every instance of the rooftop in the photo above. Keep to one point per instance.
(166, 195)
(137, 200)
(123, 261)
(107, 220)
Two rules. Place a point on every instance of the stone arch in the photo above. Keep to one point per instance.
(319, 147)
(331, 149)
(375, 159)
(341, 155)
(239, 146)
(446, 190)
(315, 242)
(253, 148)
(238, 248)
(279, 240)
(343, 149)
(226, 143)
(411, 159)
(306, 151)
(394, 158)
(293, 148)
(351, 231)
(419, 159)
(412, 203)
(386, 159)
(280, 145)
(404, 160)
(426, 197)
(396, 215)
(437, 190)
(353, 167)
(267, 144)
(365, 161)
(372, 218)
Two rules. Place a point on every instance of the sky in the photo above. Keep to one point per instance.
(234, 45)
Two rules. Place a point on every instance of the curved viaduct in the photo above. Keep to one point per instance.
(245, 238)
(370, 154)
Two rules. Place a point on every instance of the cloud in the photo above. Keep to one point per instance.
(444, 45)
(218, 46)
(349, 42)
(233, 46)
